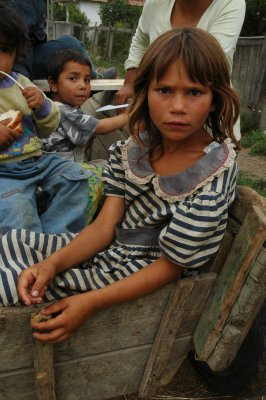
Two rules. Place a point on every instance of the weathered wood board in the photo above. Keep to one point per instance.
(105, 358)
(233, 278)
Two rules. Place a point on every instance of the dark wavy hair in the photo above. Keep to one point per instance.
(58, 60)
(13, 32)
(205, 62)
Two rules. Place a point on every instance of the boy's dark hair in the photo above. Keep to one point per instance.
(13, 31)
(58, 60)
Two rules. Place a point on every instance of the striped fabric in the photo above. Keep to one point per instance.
(192, 210)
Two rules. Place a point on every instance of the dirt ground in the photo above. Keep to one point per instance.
(252, 166)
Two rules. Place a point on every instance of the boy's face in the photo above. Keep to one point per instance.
(7, 58)
(73, 86)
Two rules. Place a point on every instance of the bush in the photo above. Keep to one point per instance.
(257, 184)
(248, 123)
(259, 148)
(253, 138)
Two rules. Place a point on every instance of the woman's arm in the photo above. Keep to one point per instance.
(226, 25)
(74, 311)
(91, 240)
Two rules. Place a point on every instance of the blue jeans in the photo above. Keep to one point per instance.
(65, 184)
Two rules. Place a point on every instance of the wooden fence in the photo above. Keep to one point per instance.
(249, 75)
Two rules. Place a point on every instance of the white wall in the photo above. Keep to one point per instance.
(91, 10)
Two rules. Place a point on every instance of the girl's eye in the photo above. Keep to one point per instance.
(5, 49)
(164, 90)
(195, 92)
(87, 80)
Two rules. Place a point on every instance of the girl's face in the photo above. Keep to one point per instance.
(179, 107)
(7, 58)
(73, 85)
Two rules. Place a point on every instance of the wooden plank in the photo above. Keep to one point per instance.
(96, 377)
(189, 294)
(224, 249)
(241, 316)
(43, 365)
(131, 324)
(244, 250)
(96, 84)
(181, 346)
(15, 338)
(246, 198)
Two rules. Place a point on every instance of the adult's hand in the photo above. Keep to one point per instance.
(124, 95)
(127, 91)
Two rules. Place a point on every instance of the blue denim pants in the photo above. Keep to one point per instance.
(64, 182)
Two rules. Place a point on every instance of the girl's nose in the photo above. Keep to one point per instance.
(178, 103)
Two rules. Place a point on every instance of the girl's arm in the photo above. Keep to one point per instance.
(91, 240)
(74, 311)
(107, 125)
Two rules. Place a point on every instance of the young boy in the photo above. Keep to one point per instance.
(23, 167)
(69, 75)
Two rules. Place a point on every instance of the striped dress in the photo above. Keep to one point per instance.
(182, 216)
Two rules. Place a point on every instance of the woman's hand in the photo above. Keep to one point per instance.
(33, 96)
(124, 95)
(33, 281)
(72, 313)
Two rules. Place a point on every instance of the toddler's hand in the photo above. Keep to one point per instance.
(33, 96)
(33, 281)
(7, 135)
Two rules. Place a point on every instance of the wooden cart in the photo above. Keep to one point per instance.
(138, 346)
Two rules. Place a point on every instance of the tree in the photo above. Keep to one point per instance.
(75, 15)
(119, 11)
(255, 19)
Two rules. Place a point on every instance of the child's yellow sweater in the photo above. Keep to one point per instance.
(36, 124)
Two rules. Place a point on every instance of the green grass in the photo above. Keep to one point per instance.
(253, 138)
(257, 184)
(256, 142)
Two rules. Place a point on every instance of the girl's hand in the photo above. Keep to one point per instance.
(33, 281)
(33, 96)
(72, 313)
(7, 135)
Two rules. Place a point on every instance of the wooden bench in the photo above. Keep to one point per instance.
(96, 84)
(140, 345)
